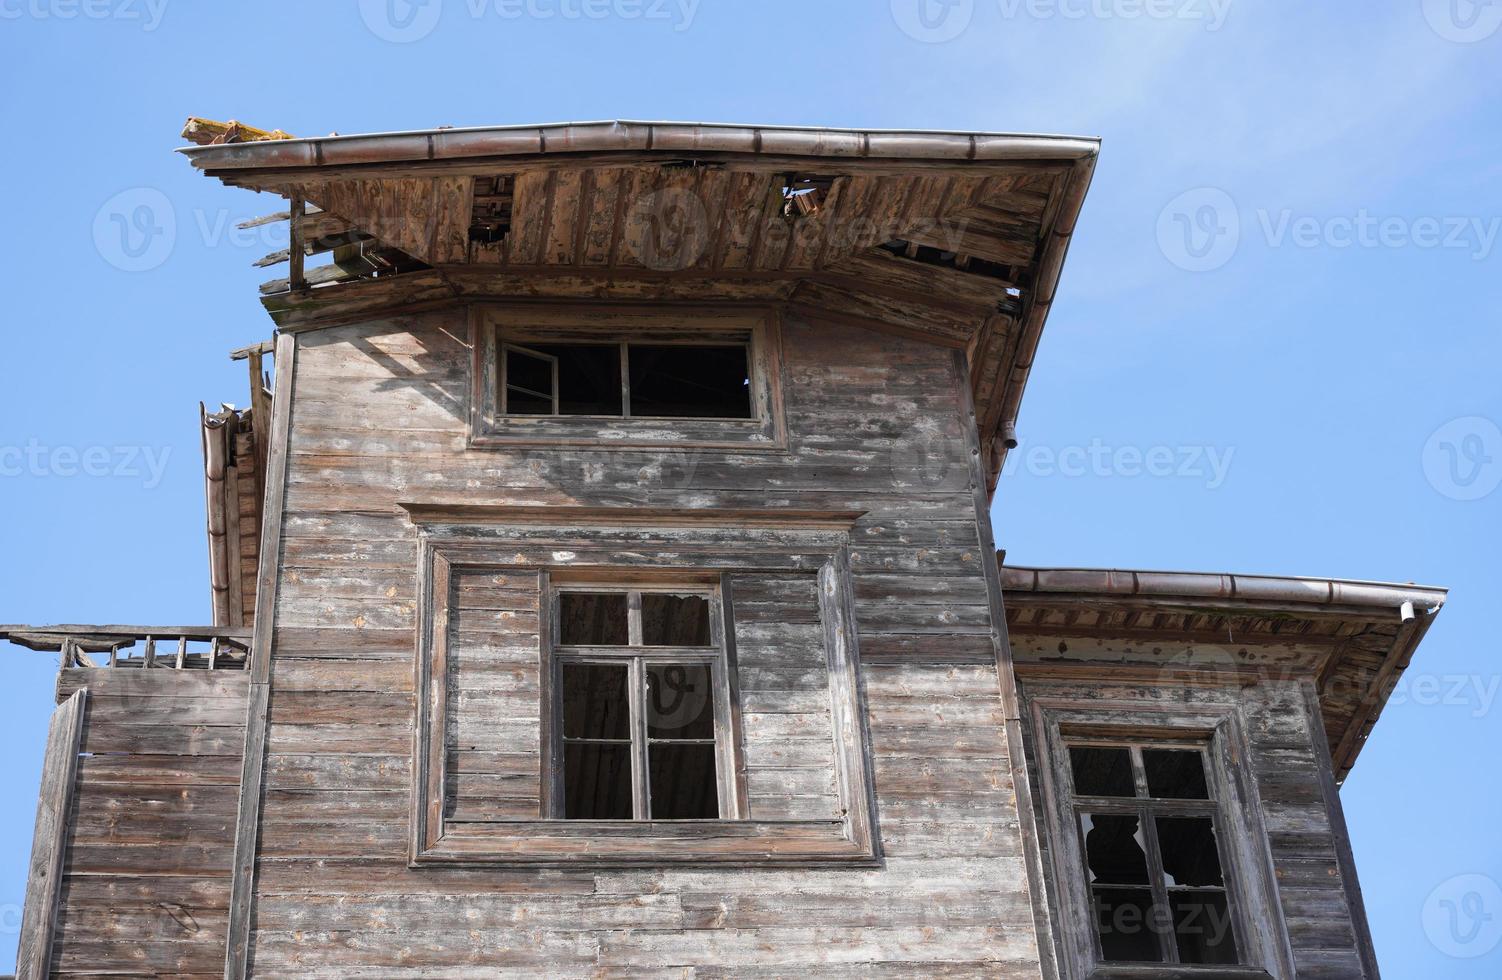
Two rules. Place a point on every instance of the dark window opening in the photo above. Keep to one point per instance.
(684, 785)
(1125, 920)
(596, 742)
(1114, 850)
(587, 619)
(531, 382)
(1175, 775)
(588, 378)
(680, 381)
(1102, 771)
(669, 381)
(674, 620)
(1202, 927)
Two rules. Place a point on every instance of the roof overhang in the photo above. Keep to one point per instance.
(954, 238)
(1351, 639)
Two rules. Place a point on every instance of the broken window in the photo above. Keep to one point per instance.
(643, 704)
(1152, 855)
(627, 380)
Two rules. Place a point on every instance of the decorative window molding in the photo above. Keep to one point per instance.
(511, 558)
(518, 391)
(1105, 767)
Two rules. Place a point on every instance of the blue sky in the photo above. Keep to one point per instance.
(1288, 264)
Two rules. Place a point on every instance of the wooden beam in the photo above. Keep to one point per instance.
(50, 840)
(207, 132)
(248, 821)
(296, 281)
(1006, 678)
(1339, 834)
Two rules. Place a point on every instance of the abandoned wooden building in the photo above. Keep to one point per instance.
(603, 584)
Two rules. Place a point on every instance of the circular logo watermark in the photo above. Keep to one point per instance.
(135, 230)
(1463, 458)
(1464, 21)
(1200, 230)
(675, 229)
(1463, 916)
(401, 21)
(930, 460)
(933, 21)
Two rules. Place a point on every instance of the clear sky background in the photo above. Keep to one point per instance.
(1287, 273)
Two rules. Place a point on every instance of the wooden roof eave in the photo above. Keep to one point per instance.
(479, 148)
(1354, 607)
(1001, 188)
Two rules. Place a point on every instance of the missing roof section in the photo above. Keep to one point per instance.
(929, 255)
(804, 195)
(494, 197)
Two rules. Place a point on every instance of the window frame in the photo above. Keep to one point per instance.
(497, 327)
(637, 655)
(1147, 808)
(1058, 722)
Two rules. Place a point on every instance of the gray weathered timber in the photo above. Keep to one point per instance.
(49, 842)
(379, 454)
(144, 883)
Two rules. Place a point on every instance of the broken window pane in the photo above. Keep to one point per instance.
(590, 619)
(680, 702)
(529, 382)
(1202, 927)
(1102, 771)
(1125, 920)
(595, 703)
(1190, 857)
(597, 780)
(1114, 850)
(1173, 774)
(683, 781)
(686, 381)
(674, 620)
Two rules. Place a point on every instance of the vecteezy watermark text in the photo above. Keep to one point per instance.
(1202, 229)
(406, 21)
(938, 21)
(145, 463)
(1209, 464)
(148, 13)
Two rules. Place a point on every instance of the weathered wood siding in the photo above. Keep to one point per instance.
(150, 843)
(1286, 774)
(876, 425)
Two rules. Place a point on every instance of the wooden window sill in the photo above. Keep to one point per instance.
(608, 843)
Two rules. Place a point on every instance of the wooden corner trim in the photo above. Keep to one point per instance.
(253, 759)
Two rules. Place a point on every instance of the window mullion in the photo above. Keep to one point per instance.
(625, 380)
(1163, 912)
(641, 791)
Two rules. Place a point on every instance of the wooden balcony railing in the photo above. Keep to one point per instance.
(142, 647)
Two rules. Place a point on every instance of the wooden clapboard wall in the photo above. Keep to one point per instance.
(150, 837)
(878, 424)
